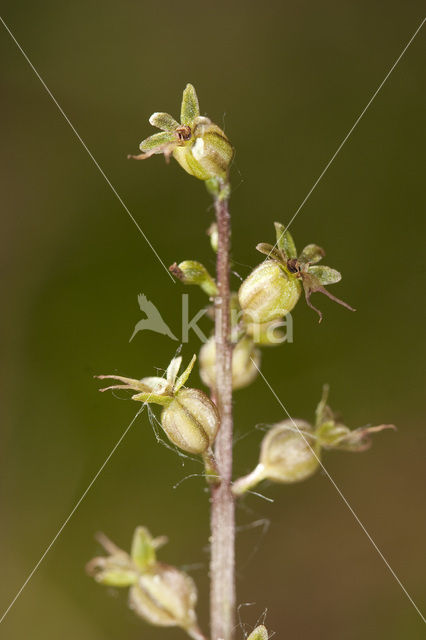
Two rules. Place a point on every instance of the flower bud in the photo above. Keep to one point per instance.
(245, 360)
(191, 421)
(268, 293)
(193, 272)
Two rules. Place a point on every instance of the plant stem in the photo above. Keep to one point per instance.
(222, 566)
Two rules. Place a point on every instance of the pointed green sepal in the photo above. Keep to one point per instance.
(260, 633)
(285, 242)
(311, 254)
(143, 548)
(323, 412)
(153, 398)
(185, 375)
(268, 250)
(325, 275)
(158, 143)
(189, 108)
(163, 121)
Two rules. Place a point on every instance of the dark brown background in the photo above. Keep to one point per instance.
(287, 81)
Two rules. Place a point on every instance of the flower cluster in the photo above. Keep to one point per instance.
(291, 450)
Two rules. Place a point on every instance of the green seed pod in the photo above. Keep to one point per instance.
(245, 360)
(268, 293)
(165, 597)
(191, 421)
(208, 153)
(289, 453)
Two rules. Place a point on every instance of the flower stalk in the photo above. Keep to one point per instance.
(222, 565)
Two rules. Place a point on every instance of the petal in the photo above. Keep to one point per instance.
(312, 283)
(312, 253)
(325, 275)
(159, 142)
(189, 109)
(185, 375)
(285, 241)
(143, 550)
(268, 250)
(173, 370)
(358, 439)
(163, 121)
(323, 412)
(155, 384)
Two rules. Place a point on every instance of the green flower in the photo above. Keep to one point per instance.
(291, 450)
(158, 593)
(287, 270)
(200, 147)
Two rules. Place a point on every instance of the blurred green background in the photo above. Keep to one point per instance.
(287, 81)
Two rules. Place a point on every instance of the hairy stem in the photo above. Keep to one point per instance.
(222, 566)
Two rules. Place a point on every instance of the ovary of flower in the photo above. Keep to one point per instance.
(198, 149)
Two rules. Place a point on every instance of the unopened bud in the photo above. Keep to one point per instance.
(193, 272)
(245, 363)
(268, 293)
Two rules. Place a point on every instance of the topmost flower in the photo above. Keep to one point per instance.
(200, 146)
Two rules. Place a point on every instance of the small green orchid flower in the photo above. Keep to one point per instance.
(200, 147)
(291, 450)
(189, 418)
(273, 288)
(158, 593)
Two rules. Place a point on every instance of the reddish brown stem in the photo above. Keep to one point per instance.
(222, 566)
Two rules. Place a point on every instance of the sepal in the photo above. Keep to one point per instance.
(260, 633)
